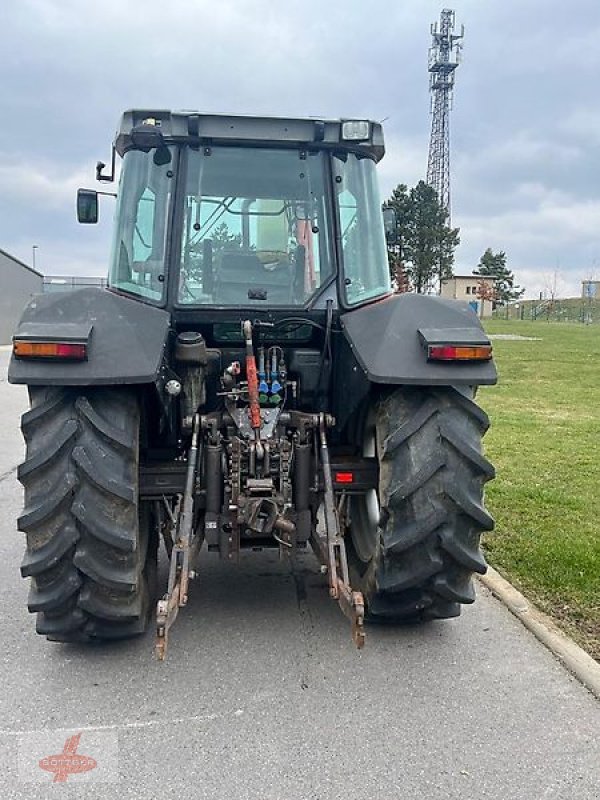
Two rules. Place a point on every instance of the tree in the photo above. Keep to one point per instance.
(493, 265)
(401, 279)
(551, 293)
(486, 290)
(424, 251)
(400, 202)
(221, 238)
(194, 267)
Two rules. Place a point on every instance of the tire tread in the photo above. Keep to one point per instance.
(432, 475)
(81, 514)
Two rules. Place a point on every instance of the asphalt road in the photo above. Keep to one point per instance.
(264, 696)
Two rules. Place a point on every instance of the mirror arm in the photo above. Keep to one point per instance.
(101, 165)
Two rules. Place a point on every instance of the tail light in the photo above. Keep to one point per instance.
(451, 352)
(54, 351)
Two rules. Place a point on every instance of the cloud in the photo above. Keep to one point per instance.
(37, 186)
(538, 241)
(582, 124)
(86, 252)
(525, 136)
(405, 162)
(523, 150)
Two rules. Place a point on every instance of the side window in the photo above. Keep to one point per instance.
(366, 271)
(144, 226)
(349, 227)
(139, 236)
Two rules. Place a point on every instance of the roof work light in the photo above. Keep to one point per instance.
(357, 130)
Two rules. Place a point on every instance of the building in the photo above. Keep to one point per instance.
(471, 289)
(590, 290)
(18, 283)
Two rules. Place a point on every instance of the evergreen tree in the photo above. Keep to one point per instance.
(194, 257)
(493, 265)
(400, 202)
(423, 253)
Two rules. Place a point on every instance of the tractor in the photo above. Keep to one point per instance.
(248, 380)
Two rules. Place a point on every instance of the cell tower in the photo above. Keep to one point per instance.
(444, 58)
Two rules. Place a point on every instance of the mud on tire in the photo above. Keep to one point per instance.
(417, 562)
(89, 549)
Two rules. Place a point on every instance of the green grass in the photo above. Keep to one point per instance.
(545, 443)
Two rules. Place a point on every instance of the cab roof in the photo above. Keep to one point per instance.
(194, 127)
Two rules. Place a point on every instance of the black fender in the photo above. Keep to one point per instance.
(125, 339)
(388, 339)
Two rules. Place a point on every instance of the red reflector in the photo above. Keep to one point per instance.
(52, 350)
(451, 352)
(70, 351)
(344, 477)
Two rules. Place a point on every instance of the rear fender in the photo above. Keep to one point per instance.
(388, 340)
(126, 339)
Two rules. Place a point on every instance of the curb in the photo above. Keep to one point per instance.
(574, 658)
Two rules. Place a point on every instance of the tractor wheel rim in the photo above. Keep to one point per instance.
(365, 509)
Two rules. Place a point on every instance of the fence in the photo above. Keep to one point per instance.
(574, 309)
(68, 283)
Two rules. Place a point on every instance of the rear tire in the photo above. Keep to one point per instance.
(90, 549)
(415, 543)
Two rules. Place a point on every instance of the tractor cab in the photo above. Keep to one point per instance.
(238, 211)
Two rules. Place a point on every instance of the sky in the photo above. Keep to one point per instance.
(525, 125)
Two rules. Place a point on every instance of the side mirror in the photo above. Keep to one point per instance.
(390, 225)
(87, 206)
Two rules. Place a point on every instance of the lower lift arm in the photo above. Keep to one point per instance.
(183, 554)
(331, 549)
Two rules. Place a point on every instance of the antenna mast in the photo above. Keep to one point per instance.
(444, 58)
